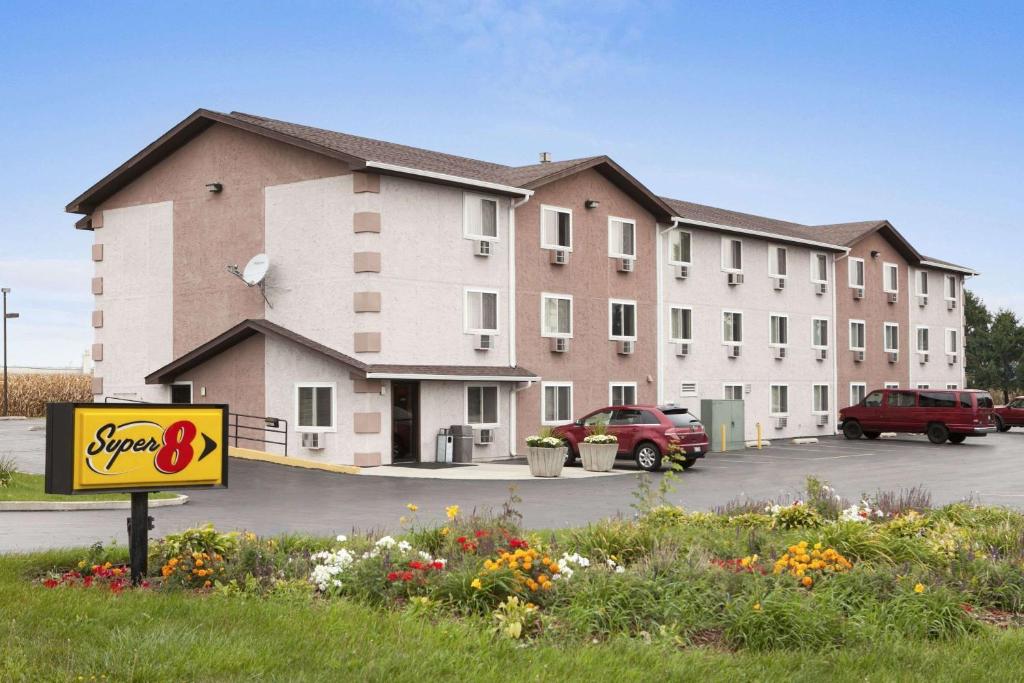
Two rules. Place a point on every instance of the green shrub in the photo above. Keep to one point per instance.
(985, 583)
(795, 516)
(784, 618)
(616, 539)
(204, 539)
(860, 541)
(7, 469)
(935, 614)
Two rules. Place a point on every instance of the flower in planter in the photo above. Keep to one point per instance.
(598, 433)
(544, 442)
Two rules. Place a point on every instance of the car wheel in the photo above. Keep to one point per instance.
(957, 438)
(852, 430)
(688, 463)
(872, 435)
(648, 456)
(937, 433)
(1000, 425)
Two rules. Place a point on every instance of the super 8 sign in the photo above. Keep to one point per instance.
(94, 448)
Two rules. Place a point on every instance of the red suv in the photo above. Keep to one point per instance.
(942, 415)
(1010, 415)
(645, 433)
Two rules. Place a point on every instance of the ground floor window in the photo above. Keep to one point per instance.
(622, 393)
(732, 392)
(820, 401)
(780, 400)
(858, 390)
(482, 405)
(556, 402)
(953, 387)
(314, 406)
(892, 385)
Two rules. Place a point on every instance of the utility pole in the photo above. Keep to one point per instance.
(7, 316)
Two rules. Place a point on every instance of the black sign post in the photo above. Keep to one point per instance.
(139, 525)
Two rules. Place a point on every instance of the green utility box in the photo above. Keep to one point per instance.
(715, 413)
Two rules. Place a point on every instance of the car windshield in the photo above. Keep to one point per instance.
(985, 400)
(680, 418)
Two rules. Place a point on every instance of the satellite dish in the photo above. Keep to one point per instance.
(256, 270)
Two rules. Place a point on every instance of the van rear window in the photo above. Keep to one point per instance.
(985, 401)
(681, 418)
(938, 399)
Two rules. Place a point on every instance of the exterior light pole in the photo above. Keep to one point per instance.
(7, 316)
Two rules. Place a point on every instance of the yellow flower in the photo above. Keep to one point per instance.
(452, 511)
(919, 588)
(476, 584)
(412, 507)
(444, 531)
(807, 581)
(757, 607)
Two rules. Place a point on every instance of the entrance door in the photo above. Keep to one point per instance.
(405, 421)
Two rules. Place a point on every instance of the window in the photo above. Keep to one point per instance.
(556, 402)
(858, 335)
(874, 399)
(732, 392)
(603, 417)
(481, 311)
(732, 255)
(1017, 404)
(556, 228)
(937, 399)
(952, 341)
(622, 319)
(679, 251)
(682, 324)
(622, 393)
(780, 400)
(633, 416)
(777, 261)
(953, 387)
(892, 385)
(923, 386)
(779, 329)
(856, 269)
(902, 399)
(481, 217)
(732, 327)
(556, 315)
(621, 238)
(890, 277)
(922, 340)
(984, 400)
(482, 405)
(819, 333)
(819, 401)
(951, 287)
(819, 267)
(857, 392)
(314, 407)
(680, 417)
(922, 283)
(181, 392)
(892, 337)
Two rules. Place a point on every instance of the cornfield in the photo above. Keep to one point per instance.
(29, 394)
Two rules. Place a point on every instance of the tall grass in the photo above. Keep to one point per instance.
(28, 394)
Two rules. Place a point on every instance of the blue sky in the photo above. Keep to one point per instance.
(819, 112)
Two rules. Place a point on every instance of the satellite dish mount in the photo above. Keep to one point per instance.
(254, 274)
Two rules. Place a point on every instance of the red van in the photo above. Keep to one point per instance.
(943, 415)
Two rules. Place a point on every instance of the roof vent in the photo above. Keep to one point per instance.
(545, 157)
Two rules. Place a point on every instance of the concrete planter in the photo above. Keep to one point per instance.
(598, 457)
(545, 462)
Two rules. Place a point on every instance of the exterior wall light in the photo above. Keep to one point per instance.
(875, 254)
(214, 187)
(591, 203)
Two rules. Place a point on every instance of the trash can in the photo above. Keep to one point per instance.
(443, 453)
(462, 443)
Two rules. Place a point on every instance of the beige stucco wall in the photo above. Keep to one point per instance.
(937, 317)
(234, 377)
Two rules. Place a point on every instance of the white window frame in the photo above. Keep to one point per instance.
(613, 248)
(952, 387)
(815, 255)
(612, 386)
(773, 261)
(864, 336)
(725, 341)
(473, 199)
(465, 310)
(731, 385)
(923, 386)
(611, 308)
(864, 392)
(781, 316)
(544, 244)
(497, 404)
(727, 252)
(922, 277)
(947, 336)
(544, 296)
(183, 383)
(671, 313)
(543, 402)
(828, 332)
(917, 338)
(850, 270)
(672, 236)
(815, 410)
(333, 386)
(891, 385)
(945, 287)
(771, 401)
(886, 266)
(885, 337)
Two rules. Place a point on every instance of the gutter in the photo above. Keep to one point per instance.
(764, 235)
(452, 378)
(444, 177)
(946, 266)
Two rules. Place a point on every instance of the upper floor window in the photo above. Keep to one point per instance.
(482, 405)
(481, 217)
(621, 237)
(314, 406)
(732, 392)
(891, 277)
(732, 327)
(481, 313)
(952, 341)
(857, 335)
(780, 400)
(732, 255)
(622, 319)
(819, 267)
(892, 337)
(819, 333)
(856, 267)
(556, 228)
(682, 324)
(777, 261)
(951, 287)
(922, 339)
(819, 400)
(556, 315)
(680, 247)
(922, 283)
(779, 329)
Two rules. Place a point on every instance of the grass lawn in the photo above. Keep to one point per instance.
(64, 634)
(30, 487)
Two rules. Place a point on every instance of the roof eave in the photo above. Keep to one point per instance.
(949, 266)
(776, 237)
(446, 179)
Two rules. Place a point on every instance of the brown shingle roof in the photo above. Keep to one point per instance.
(848, 233)
(736, 219)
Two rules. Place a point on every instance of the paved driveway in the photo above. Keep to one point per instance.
(268, 498)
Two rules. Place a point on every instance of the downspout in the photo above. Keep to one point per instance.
(513, 406)
(660, 311)
(835, 344)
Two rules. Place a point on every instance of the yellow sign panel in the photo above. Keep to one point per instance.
(148, 447)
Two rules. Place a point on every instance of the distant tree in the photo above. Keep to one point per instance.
(1006, 343)
(981, 371)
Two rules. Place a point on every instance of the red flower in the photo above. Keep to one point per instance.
(461, 540)
(87, 581)
(480, 533)
(393, 576)
(407, 576)
(116, 586)
(515, 543)
(416, 564)
(145, 584)
(50, 583)
(967, 608)
(437, 565)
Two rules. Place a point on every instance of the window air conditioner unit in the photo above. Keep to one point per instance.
(858, 292)
(821, 288)
(951, 358)
(484, 342)
(625, 265)
(892, 297)
(893, 356)
(484, 437)
(559, 345)
(625, 348)
(779, 282)
(483, 248)
(858, 356)
(951, 304)
(682, 349)
(822, 354)
(313, 440)
(923, 358)
(682, 272)
(559, 257)
(779, 352)
(822, 420)
(735, 278)
(733, 350)
(781, 422)
(922, 300)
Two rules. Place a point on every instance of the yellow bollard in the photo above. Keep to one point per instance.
(758, 436)
(723, 438)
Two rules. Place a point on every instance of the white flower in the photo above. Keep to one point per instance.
(386, 542)
(424, 556)
(341, 538)
(404, 546)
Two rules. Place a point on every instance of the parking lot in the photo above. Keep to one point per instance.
(268, 498)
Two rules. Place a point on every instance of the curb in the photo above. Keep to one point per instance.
(71, 505)
(11, 418)
(250, 454)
